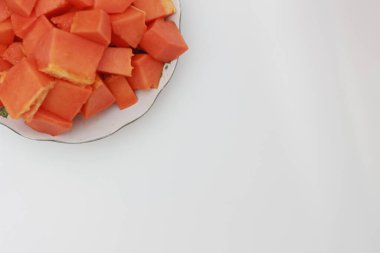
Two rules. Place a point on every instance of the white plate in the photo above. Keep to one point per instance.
(108, 122)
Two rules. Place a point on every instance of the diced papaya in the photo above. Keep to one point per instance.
(68, 56)
(116, 61)
(4, 11)
(21, 7)
(3, 48)
(163, 41)
(94, 25)
(51, 7)
(24, 88)
(82, 3)
(118, 42)
(113, 6)
(37, 31)
(66, 99)
(5, 65)
(129, 27)
(7, 34)
(14, 53)
(48, 123)
(21, 25)
(146, 72)
(101, 99)
(155, 9)
(64, 21)
(122, 91)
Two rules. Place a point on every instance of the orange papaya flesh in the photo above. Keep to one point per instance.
(155, 9)
(21, 7)
(7, 34)
(21, 24)
(66, 99)
(36, 32)
(129, 27)
(48, 123)
(121, 90)
(112, 6)
(69, 57)
(4, 11)
(94, 25)
(82, 3)
(14, 53)
(116, 61)
(64, 21)
(100, 99)
(51, 7)
(163, 41)
(24, 88)
(146, 72)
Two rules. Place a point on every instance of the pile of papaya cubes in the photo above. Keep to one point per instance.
(64, 58)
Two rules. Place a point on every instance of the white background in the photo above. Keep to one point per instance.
(266, 140)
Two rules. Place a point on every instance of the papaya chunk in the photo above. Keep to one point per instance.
(36, 32)
(163, 41)
(4, 11)
(14, 53)
(94, 25)
(21, 24)
(122, 91)
(24, 88)
(51, 7)
(116, 61)
(4, 65)
(7, 34)
(48, 123)
(64, 21)
(82, 3)
(146, 72)
(129, 27)
(113, 6)
(68, 56)
(101, 99)
(66, 99)
(155, 9)
(21, 7)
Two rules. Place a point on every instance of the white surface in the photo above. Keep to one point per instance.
(267, 140)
